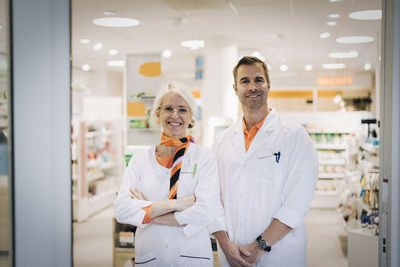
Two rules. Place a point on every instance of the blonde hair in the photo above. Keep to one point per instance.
(178, 89)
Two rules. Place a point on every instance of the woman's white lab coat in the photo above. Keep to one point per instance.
(160, 245)
(275, 178)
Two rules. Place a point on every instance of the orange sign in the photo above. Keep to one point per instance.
(335, 80)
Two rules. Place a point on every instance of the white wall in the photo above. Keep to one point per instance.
(98, 82)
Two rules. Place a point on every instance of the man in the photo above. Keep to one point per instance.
(268, 170)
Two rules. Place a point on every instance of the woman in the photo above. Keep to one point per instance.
(170, 192)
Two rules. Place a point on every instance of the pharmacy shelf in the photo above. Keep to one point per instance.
(330, 147)
(102, 200)
(98, 133)
(331, 175)
(94, 176)
(326, 193)
(332, 162)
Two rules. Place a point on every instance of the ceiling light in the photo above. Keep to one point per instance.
(308, 67)
(85, 67)
(351, 54)
(333, 1)
(166, 53)
(116, 63)
(334, 16)
(379, 58)
(331, 23)
(97, 46)
(109, 13)
(116, 22)
(324, 35)
(1, 27)
(112, 52)
(367, 66)
(193, 44)
(84, 41)
(354, 39)
(333, 66)
(283, 68)
(367, 15)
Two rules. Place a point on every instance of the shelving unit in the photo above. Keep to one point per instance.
(332, 151)
(97, 163)
(123, 243)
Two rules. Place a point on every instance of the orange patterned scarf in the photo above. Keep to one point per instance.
(181, 145)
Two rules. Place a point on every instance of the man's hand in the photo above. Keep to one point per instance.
(235, 254)
(255, 253)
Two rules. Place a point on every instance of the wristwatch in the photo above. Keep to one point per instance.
(263, 244)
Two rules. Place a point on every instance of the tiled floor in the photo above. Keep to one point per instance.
(327, 240)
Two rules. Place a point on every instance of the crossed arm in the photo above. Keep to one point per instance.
(163, 211)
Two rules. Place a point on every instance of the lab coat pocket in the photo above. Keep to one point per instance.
(194, 259)
(148, 259)
(266, 169)
(187, 181)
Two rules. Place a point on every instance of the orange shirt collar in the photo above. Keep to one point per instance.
(251, 133)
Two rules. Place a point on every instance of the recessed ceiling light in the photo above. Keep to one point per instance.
(116, 63)
(116, 22)
(166, 53)
(112, 52)
(379, 58)
(109, 13)
(333, 1)
(193, 44)
(84, 41)
(334, 16)
(367, 66)
(308, 67)
(351, 54)
(354, 39)
(97, 46)
(333, 66)
(324, 35)
(1, 27)
(283, 68)
(85, 67)
(367, 15)
(331, 23)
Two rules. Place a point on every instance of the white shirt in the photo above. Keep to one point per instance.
(161, 245)
(258, 185)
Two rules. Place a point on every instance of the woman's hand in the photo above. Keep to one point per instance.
(136, 194)
(183, 203)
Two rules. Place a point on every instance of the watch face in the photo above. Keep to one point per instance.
(262, 244)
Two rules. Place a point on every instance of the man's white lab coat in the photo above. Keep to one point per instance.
(275, 178)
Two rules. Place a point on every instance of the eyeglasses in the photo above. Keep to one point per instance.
(181, 110)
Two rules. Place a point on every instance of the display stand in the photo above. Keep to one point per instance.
(123, 243)
(362, 249)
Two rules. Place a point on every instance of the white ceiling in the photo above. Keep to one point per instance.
(283, 31)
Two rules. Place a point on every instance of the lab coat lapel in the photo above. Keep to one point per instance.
(237, 138)
(270, 124)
